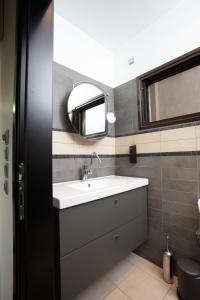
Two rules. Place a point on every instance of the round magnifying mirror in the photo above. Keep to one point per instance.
(111, 117)
(87, 110)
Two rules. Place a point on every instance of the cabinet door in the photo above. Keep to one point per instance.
(85, 265)
(83, 223)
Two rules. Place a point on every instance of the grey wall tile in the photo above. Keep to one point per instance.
(180, 196)
(150, 253)
(180, 185)
(183, 247)
(126, 108)
(154, 203)
(67, 169)
(179, 161)
(180, 221)
(154, 198)
(99, 172)
(180, 173)
(153, 162)
(155, 219)
(182, 209)
(182, 232)
(155, 238)
(123, 162)
(172, 208)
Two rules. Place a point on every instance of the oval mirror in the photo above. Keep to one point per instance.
(87, 110)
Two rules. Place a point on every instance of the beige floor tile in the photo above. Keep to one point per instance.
(148, 289)
(134, 259)
(150, 268)
(97, 291)
(135, 278)
(146, 266)
(117, 295)
(120, 272)
(171, 295)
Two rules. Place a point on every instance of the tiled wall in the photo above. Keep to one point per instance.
(172, 202)
(70, 151)
(174, 140)
(170, 159)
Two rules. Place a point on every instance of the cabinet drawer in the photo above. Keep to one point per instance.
(83, 223)
(85, 265)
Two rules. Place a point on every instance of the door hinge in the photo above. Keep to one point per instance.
(21, 191)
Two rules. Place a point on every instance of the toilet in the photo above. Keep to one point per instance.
(188, 272)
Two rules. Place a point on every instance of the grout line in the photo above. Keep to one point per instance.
(125, 294)
(153, 154)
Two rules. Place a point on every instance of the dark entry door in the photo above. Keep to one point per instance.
(33, 176)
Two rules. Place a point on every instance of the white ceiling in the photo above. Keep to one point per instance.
(113, 22)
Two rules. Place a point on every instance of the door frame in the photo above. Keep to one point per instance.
(34, 226)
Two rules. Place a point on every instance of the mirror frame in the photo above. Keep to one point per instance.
(95, 136)
(178, 65)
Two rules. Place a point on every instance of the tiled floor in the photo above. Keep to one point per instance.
(132, 279)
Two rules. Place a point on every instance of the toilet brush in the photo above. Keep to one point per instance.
(167, 263)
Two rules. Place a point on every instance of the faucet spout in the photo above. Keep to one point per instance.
(86, 171)
(97, 156)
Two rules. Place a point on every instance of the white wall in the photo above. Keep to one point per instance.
(77, 51)
(7, 92)
(174, 34)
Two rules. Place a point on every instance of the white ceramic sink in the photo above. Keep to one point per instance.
(93, 184)
(71, 193)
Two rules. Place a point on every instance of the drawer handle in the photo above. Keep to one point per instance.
(116, 236)
(116, 201)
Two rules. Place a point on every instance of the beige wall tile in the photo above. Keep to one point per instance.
(181, 139)
(178, 134)
(148, 148)
(144, 138)
(63, 137)
(179, 145)
(197, 130)
(105, 150)
(84, 149)
(123, 141)
(122, 150)
(198, 144)
(63, 148)
(107, 141)
(62, 144)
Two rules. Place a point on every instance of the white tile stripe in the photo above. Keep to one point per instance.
(173, 140)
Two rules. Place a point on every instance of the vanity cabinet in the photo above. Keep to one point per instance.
(95, 235)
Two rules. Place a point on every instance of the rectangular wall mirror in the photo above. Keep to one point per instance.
(171, 94)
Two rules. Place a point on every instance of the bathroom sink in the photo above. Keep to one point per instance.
(93, 184)
(72, 193)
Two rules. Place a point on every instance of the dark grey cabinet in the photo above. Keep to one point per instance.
(96, 235)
